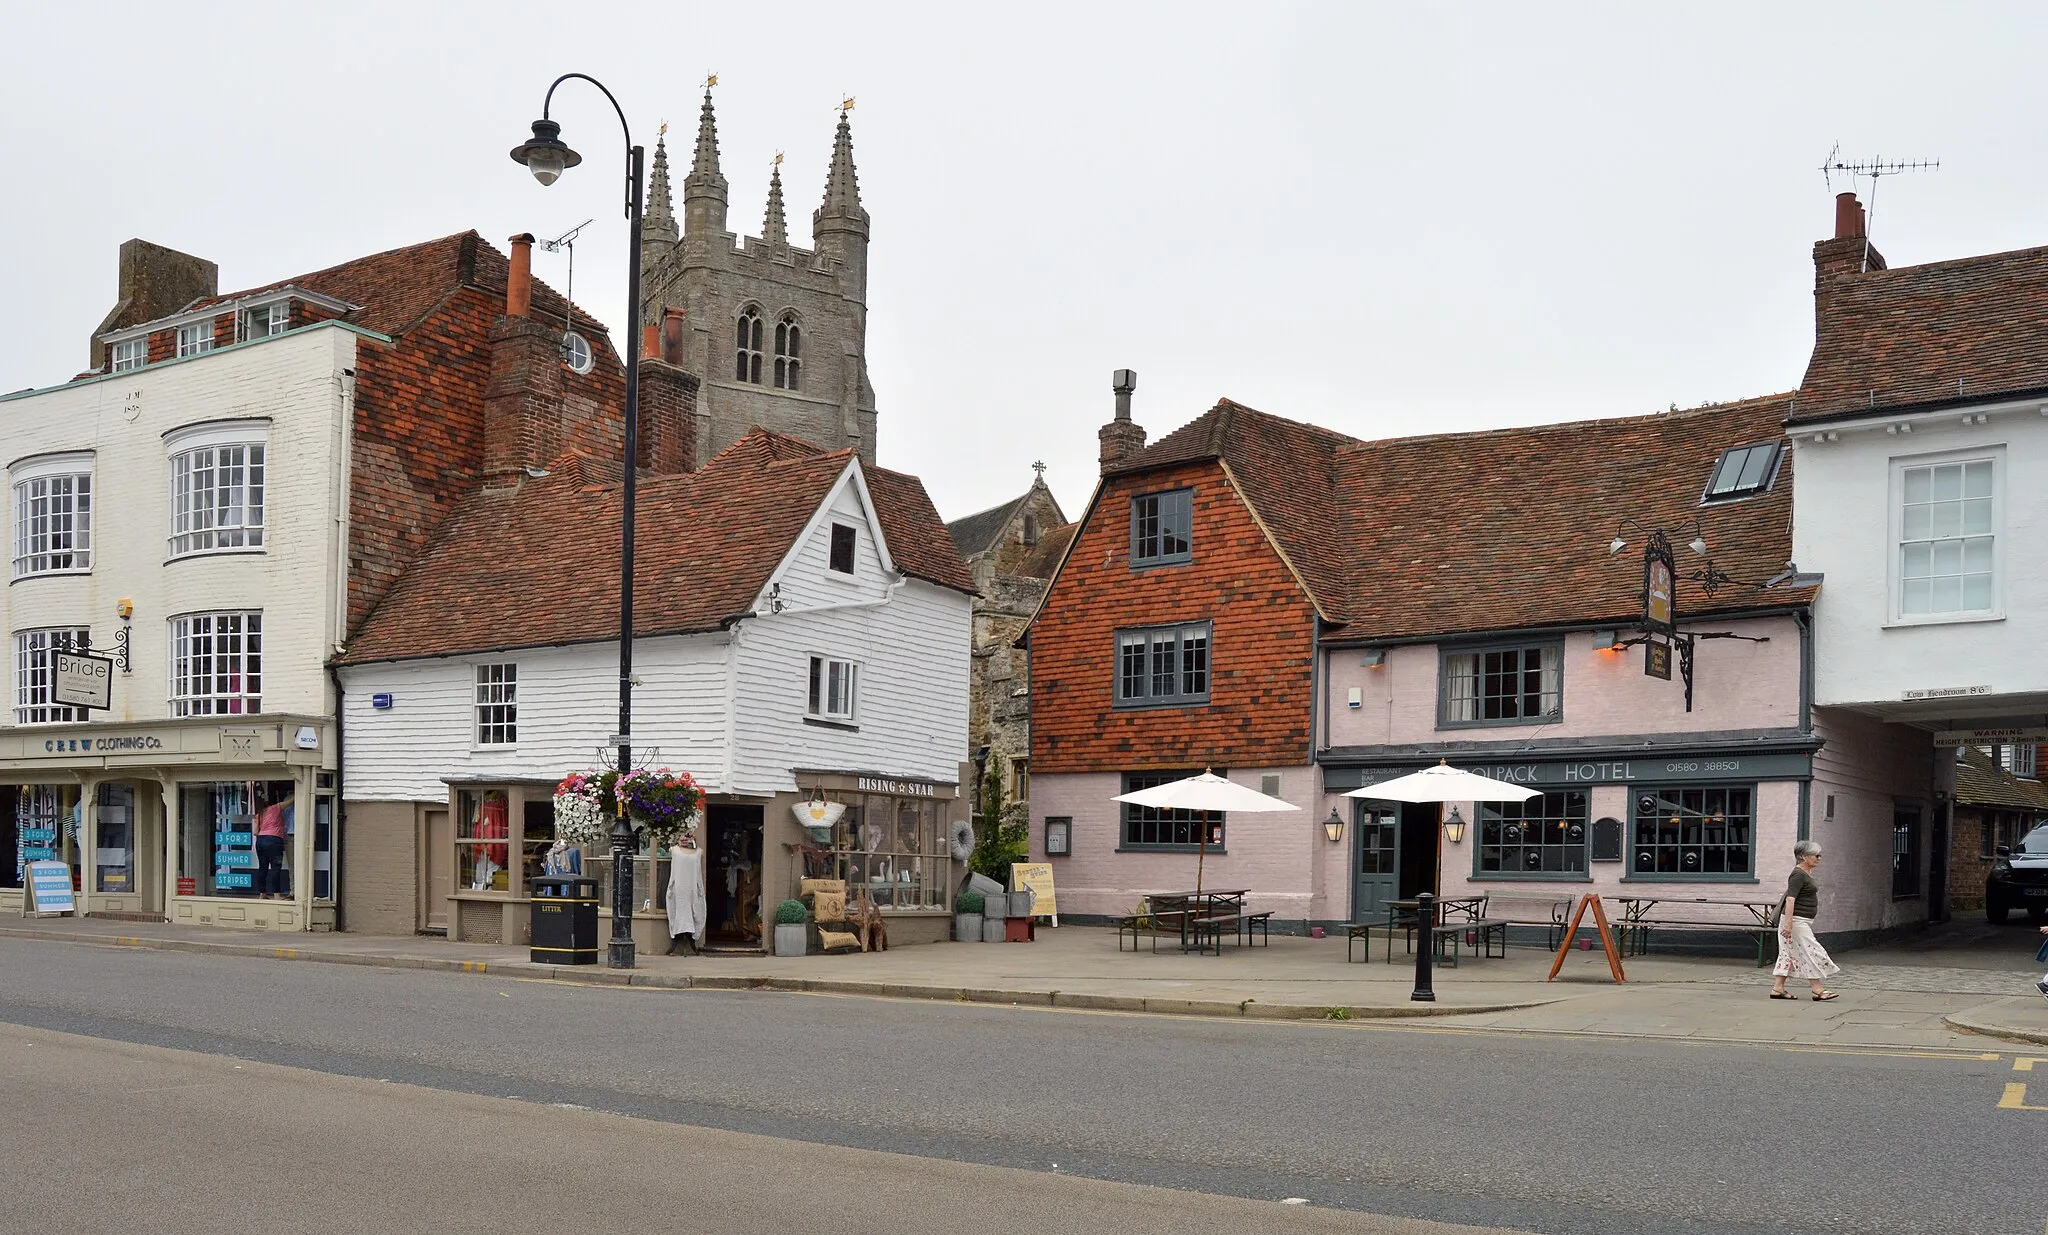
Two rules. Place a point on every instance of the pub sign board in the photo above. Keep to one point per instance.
(81, 680)
(1659, 591)
(1656, 659)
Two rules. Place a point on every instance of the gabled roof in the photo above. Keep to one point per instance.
(539, 565)
(1981, 782)
(976, 533)
(397, 288)
(1498, 530)
(1911, 336)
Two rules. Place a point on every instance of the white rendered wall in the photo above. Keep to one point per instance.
(1842, 510)
(296, 381)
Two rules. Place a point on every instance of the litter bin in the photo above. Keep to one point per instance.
(564, 925)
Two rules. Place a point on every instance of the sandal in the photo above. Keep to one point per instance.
(1783, 995)
(1824, 996)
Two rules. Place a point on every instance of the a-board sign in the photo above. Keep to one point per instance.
(49, 888)
(80, 680)
(1036, 876)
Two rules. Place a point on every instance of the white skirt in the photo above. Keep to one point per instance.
(1801, 956)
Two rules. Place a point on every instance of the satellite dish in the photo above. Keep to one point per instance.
(576, 353)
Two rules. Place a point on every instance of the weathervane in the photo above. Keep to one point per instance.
(845, 104)
(1038, 465)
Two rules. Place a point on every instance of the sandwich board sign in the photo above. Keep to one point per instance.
(49, 889)
(82, 680)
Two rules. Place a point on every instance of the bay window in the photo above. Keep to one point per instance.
(217, 664)
(52, 514)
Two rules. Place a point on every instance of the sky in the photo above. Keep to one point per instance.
(1383, 218)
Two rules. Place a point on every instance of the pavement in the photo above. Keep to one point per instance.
(1936, 991)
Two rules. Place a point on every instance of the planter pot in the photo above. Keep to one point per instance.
(991, 930)
(967, 927)
(1020, 903)
(792, 938)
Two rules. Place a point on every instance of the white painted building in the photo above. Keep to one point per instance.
(804, 631)
(186, 518)
(1920, 438)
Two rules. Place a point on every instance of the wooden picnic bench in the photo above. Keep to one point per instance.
(1640, 915)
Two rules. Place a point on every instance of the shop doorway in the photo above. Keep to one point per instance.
(437, 871)
(128, 848)
(733, 843)
(1376, 869)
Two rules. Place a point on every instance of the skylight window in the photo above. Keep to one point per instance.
(1742, 471)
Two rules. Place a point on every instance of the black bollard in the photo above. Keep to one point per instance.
(1425, 947)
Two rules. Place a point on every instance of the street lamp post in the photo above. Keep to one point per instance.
(547, 158)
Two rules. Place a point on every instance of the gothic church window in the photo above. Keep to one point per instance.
(747, 366)
(788, 353)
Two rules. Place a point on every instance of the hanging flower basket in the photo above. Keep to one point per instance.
(817, 816)
(664, 802)
(584, 807)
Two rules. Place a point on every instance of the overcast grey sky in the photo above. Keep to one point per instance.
(1383, 218)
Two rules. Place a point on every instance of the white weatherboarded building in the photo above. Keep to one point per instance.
(802, 629)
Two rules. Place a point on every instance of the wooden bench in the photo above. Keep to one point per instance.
(1483, 934)
(1690, 915)
(1547, 912)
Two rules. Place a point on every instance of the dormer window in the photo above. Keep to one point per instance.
(131, 354)
(266, 319)
(195, 338)
(1743, 471)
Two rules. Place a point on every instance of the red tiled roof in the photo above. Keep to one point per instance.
(1914, 335)
(540, 565)
(1497, 530)
(395, 289)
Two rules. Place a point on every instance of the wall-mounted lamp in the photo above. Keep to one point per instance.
(1373, 658)
(1454, 827)
(1603, 640)
(1333, 827)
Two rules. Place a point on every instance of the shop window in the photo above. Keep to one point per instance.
(894, 850)
(1162, 528)
(236, 839)
(1502, 686)
(53, 515)
(46, 827)
(1707, 832)
(114, 847)
(1541, 838)
(1163, 666)
(34, 672)
(217, 664)
(497, 705)
(482, 840)
(1147, 827)
(1905, 853)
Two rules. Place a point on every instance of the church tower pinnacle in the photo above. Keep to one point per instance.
(839, 227)
(659, 222)
(704, 189)
(774, 228)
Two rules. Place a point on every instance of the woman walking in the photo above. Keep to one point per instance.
(1799, 953)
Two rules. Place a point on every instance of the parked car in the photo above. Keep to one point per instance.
(2019, 878)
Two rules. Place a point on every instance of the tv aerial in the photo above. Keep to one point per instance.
(1873, 170)
(575, 349)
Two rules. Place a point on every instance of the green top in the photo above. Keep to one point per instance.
(1805, 893)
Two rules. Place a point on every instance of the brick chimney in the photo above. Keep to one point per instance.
(1121, 438)
(154, 282)
(519, 278)
(525, 402)
(668, 417)
(1846, 254)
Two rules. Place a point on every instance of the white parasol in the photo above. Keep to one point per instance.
(1205, 792)
(1444, 783)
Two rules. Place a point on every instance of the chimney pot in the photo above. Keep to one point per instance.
(519, 280)
(1848, 216)
(672, 335)
(1123, 382)
(650, 341)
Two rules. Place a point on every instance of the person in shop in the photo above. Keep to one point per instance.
(272, 826)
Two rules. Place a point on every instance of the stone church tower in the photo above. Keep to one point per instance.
(778, 333)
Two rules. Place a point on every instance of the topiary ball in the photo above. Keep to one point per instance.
(791, 913)
(969, 901)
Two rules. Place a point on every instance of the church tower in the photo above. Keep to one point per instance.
(777, 333)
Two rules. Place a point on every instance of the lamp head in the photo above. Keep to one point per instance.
(1333, 827)
(544, 154)
(1697, 544)
(1616, 545)
(1454, 827)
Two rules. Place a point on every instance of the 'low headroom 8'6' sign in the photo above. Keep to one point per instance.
(82, 680)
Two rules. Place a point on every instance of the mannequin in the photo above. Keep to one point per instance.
(686, 906)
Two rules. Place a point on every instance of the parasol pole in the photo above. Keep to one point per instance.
(1202, 854)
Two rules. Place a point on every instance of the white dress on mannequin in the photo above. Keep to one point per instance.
(686, 907)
